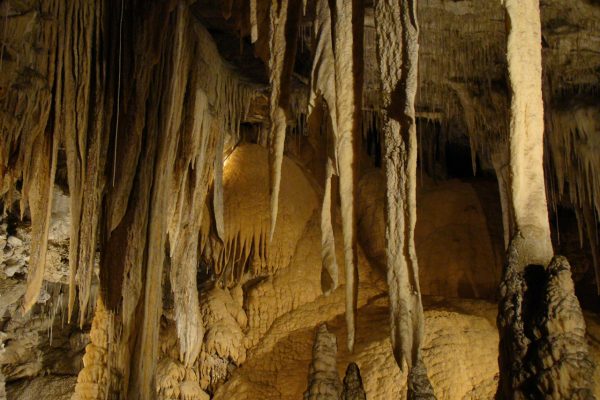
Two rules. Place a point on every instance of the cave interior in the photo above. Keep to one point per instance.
(285, 199)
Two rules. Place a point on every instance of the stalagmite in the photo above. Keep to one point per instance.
(142, 171)
(526, 143)
(419, 387)
(95, 379)
(353, 385)
(397, 45)
(224, 345)
(543, 349)
(347, 30)
(323, 379)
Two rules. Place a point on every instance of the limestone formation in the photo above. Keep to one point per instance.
(543, 349)
(397, 23)
(353, 386)
(323, 379)
(528, 190)
(182, 184)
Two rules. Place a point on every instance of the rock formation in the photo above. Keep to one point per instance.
(353, 386)
(182, 184)
(397, 23)
(323, 379)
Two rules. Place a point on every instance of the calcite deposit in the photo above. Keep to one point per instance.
(284, 199)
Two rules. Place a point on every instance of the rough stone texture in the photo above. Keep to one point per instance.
(323, 379)
(543, 348)
(135, 110)
(459, 349)
(419, 387)
(51, 387)
(526, 143)
(246, 246)
(397, 30)
(457, 237)
(353, 385)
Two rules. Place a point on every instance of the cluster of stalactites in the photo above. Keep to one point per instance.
(336, 80)
(44, 111)
(334, 102)
(127, 182)
(574, 160)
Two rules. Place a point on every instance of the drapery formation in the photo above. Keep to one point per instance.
(51, 112)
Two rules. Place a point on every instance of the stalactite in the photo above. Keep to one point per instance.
(192, 173)
(284, 16)
(574, 160)
(323, 89)
(253, 21)
(397, 44)
(526, 132)
(29, 145)
(327, 239)
(84, 142)
(218, 188)
(278, 16)
(246, 249)
(177, 72)
(39, 195)
(501, 166)
(347, 34)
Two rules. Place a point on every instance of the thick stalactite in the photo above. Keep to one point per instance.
(334, 103)
(542, 331)
(528, 189)
(396, 23)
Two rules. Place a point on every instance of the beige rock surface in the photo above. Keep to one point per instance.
(457, 240)
(43, 388)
